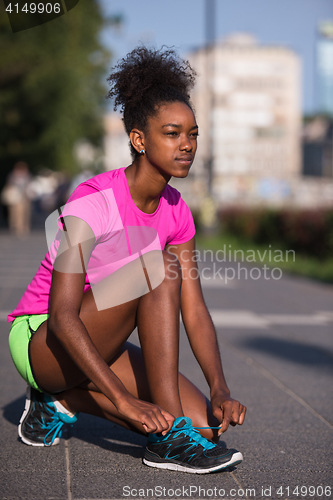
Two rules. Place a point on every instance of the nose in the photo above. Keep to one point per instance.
(185, 144)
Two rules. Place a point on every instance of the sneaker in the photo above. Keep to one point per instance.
(184, 449)
(41, 423)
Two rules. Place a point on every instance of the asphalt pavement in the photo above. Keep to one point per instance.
(275, 334)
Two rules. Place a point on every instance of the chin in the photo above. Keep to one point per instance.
(181, 174)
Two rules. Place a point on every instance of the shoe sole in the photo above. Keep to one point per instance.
(235, 460)
(24, 415)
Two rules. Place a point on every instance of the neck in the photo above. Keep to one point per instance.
(145, 185)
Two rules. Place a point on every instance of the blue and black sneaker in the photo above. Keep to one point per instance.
(184, 449)
(41, 423)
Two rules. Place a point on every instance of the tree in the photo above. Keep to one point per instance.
(51, 89)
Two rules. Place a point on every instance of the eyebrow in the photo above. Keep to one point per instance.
(177, 126)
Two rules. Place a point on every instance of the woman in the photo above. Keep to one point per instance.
(123, 262)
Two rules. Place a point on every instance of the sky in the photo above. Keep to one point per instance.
(181, 24)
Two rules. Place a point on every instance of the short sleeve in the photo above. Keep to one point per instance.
(97, 208)
(185, 228)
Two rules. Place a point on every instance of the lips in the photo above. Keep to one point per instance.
(185, 158)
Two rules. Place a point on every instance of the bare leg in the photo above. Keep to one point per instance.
(157, 316)
(130, 368)
(159, 339)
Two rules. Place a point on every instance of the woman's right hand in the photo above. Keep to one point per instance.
(152, 417)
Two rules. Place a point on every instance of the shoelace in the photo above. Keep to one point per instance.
(57, 429)
(193, 433)
(54, 426)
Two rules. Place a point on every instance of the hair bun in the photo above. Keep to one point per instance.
(143, 70)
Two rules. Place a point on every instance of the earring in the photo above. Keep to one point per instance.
(142, 151)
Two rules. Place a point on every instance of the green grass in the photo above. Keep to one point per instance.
(311, 267)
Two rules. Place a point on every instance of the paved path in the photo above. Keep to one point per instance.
(276, 343)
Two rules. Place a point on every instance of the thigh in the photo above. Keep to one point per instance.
(54, 369)
(108, 325)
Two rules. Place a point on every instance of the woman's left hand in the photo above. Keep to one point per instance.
(227, 411)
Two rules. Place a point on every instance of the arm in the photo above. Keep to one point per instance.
(64, 322)
(202, 338)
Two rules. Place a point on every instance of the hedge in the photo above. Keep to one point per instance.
(309, 232)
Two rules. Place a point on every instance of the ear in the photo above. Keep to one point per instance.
(137, 139)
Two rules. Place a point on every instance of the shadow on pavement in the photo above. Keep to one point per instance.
(92, 430)
(297, 352)
(110, 436)
(13, 411)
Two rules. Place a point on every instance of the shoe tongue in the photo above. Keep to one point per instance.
(181, 422)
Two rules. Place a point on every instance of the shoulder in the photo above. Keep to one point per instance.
(100, 182)
(105, 180)
(174, 201)
(93, 201)
(179, 218)
(172, 196)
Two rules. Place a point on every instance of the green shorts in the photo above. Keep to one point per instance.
(22, 330)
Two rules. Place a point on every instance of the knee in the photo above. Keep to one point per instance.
(162, 268)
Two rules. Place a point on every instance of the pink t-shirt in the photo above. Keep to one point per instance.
(122, 233)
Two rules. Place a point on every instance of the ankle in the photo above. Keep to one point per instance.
(62, 406)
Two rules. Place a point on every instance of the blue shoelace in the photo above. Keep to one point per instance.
(193, 433)
(55, 426)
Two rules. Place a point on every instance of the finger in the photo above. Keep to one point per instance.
(162, 419)
(242, 415)
(163, 425)
(159, 421)
(154, 419)
(226, 419)
(169, 421)
(145, 428)
(235, 413)
(219, 432)
(149, 423)
(218, 413)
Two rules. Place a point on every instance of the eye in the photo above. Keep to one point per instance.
(195, 134)
(172, 133)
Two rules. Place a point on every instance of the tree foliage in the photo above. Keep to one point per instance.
(51, 88)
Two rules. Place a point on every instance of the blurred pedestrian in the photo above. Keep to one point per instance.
(15, 196)
(83, 176)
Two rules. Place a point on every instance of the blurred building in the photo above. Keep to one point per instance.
(325, 67)
(247, 103)
(318, 147)
(116, 143)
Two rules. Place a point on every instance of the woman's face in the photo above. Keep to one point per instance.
(171, 140)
